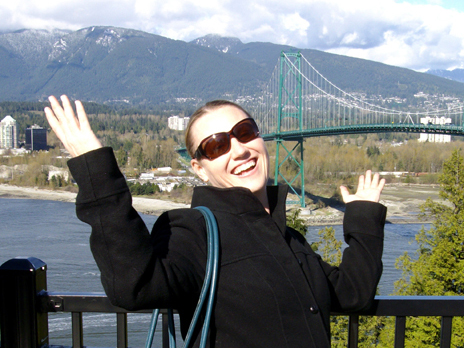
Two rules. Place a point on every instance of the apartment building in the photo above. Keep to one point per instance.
(178, 123)
(8, 133)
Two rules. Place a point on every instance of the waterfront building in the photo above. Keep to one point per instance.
(8, 133)
(435, 138)
(36, 138)
(178, 123)
(58, 172)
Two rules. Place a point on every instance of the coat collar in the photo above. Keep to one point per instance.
(240, 200)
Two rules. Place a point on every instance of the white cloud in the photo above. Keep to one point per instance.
(295, 24)
(417, 36)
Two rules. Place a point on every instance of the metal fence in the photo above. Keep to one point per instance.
(25, 304)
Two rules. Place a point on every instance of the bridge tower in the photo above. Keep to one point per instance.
(290, 119)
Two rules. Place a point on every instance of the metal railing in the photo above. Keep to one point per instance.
(25, 304)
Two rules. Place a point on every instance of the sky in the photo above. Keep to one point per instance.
(414, 34)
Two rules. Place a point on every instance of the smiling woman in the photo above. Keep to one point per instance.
(273, 290)
(243, 159)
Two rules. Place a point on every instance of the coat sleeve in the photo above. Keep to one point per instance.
(138, 269)
(353, 283)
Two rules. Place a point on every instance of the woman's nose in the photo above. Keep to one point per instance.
(237, 149)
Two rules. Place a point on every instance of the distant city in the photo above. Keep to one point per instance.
(36, 137)
(166, 178)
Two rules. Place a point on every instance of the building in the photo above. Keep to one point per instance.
(58, 172)
(8, 133)
(178, 123)
(435, 138)
(36, 138)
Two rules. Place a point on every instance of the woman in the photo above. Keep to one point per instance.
(273, 290)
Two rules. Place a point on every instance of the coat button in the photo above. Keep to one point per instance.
(314, 309)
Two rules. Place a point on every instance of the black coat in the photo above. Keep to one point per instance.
(273, 290)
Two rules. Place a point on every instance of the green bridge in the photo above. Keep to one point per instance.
(300, 103)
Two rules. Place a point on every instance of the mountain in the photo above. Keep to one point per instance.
(456, 74)
(347, 73)
(117, 65)
(105, 64)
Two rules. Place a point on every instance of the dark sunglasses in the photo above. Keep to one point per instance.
(219, 144)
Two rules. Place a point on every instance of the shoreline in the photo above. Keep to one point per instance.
(148, 206)
(403, 203)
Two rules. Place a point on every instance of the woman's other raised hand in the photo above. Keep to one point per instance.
(74, 132)
(369, 189)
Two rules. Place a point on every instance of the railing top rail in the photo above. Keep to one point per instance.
(382, 306)
(442, 306)
(80, 302)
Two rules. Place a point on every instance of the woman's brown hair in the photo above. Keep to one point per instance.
(208, 107)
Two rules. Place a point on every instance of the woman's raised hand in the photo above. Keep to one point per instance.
(74, 132)
(369, 189)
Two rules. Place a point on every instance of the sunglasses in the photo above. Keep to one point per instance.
(219, 144)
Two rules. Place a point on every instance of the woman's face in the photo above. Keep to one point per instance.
(245, 165)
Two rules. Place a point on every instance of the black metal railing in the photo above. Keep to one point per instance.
(25, 304)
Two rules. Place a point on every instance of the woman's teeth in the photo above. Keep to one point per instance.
(244, 167)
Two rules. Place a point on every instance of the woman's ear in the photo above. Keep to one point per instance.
(199, 170)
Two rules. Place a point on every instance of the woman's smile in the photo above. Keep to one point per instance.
(245, 168)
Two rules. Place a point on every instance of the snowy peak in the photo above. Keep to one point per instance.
(219, 43)
(28, 43)
(79, 43)
(62, 45)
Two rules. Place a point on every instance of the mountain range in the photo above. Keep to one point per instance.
(455, 74)
(117, 65)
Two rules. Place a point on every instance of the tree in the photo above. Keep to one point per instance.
(330, 249)
(328, 246)
(121, 157)
(439, 267)
(294, 221)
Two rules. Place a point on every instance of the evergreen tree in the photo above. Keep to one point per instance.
(294, 221)
(439, 267)
(330, 249)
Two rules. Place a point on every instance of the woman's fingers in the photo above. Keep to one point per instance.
(82, 116)
(368, 179)
(369, 188)
(74, 132)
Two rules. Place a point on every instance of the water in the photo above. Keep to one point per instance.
(399, 238)
(50, 231)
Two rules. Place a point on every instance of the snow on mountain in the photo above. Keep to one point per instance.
(30, 44)
(222, 44)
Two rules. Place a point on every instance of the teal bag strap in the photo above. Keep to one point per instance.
(208, 291)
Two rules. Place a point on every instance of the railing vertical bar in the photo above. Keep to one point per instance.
(446, 329)
(400, 331)
(353, 331)
(121, 325)
(77, 330)
(165, 330)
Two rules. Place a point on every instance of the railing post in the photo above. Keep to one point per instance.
(400, 331)
(446, 330)
(353, 331)
(22, 325)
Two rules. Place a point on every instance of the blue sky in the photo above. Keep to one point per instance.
(415, 34)
(457, 5)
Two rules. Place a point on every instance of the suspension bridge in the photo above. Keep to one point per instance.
(299, 102)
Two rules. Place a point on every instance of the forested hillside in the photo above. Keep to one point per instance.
(117, 66)
(142, 141)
